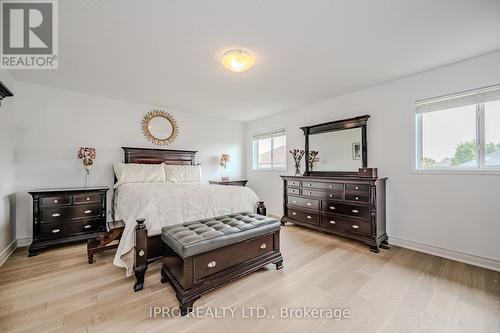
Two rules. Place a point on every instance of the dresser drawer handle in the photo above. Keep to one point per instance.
(55, 231)
(331, 195)
(355, 226)
(293, 213)
(331, 186)
(88, 199)
(56, 215)
(294, 201)
(212, 264)
(263, 246)
(56, 201)
(309, 216)
(355, 211)
(332, 222)
(309, 193)
(356, 198)
(88, 211)
(357, 188)
(332, 207)
(309, 184)
(309, 204)
(88, 226)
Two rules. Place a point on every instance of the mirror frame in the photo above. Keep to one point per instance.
(150, 136)
(333, 126)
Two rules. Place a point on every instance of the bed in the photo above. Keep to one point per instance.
(147, 207)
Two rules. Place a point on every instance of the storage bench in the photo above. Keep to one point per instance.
(215, 251)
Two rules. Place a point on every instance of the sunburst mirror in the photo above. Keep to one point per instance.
(160, 127)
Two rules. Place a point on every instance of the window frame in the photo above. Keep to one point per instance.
(255, 151)
(481, 167)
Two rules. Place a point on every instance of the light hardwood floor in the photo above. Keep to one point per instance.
(395, 291)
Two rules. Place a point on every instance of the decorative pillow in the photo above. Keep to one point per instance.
(182, 173)
(138, 173)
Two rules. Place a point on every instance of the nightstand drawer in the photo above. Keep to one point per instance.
(55, 215)
(87, 198)
(62, 230)
(55, 201)
(293, 183)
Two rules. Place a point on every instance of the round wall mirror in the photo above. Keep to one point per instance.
(159, 127)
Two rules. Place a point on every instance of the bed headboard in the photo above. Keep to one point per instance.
(157, 156)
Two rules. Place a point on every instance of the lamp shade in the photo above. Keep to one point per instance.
(87, 153)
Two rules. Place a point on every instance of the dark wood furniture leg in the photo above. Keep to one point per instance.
(385, 244)
(141, 254)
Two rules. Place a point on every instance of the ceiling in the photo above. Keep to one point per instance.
(167, 53)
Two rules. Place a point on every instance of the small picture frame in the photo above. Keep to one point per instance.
(356, 150)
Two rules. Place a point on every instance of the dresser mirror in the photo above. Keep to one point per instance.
(336, 148)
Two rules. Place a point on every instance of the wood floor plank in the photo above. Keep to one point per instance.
(397, 290)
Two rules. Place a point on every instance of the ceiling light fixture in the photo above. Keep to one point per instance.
(238, 60)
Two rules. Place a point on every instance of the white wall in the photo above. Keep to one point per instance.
(7, 165)
(53, 123)
(454, 212)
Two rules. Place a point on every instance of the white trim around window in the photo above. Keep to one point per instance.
(475, 99)
(273, 164)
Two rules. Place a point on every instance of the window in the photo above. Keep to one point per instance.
(459, 131)
(269, 151)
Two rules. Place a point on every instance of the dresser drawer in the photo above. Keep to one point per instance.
(312, 218)
(357, 187)
(303, 202)
(322, 194)
(340, 222)
(330, 186)
(346, 209)
(293, 183)
(355, 197)
(62, 230)
(293, 191)
(54, 215)
(55, 201)
(87, 198)
(220, 259)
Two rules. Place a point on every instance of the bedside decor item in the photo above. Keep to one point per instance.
(297, 155)
(4, 92)
(88, 155)
(160, 127)
(313, 159)
(224, 159)
(67, 215)
(234, 182)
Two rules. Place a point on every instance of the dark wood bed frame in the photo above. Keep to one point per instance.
(151, 248)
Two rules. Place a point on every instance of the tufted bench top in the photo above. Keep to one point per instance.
(191, 238)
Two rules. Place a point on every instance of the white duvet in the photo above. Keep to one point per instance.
(163, 204)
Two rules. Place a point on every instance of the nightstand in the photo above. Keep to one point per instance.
(240, 182)
(67, 215)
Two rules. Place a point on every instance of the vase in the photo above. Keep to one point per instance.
(297, 168)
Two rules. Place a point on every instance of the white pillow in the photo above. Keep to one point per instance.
(182, 173)
(138, 173)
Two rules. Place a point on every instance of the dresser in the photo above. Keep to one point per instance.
(352, 207)
(67, 215)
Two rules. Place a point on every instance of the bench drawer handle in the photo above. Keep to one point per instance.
(56, 215)
(355, 211)
(212, 264)
(263, 246)
(88, 211)
(355, 226)
(141, 253)
(55, 231)
(87, 226)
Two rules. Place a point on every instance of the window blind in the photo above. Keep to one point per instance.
(469, 97)
(268, 135)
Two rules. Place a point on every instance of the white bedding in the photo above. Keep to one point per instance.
(163, 204)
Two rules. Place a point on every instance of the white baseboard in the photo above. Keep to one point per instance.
(23, 242)
(7, 252)
(470, 259)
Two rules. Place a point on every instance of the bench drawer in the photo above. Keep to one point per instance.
(220, 259)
